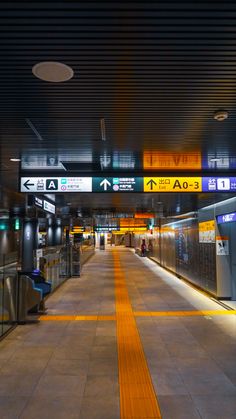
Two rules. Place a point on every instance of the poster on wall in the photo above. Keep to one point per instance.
(207, 231)
(183, 246)
(222, 246)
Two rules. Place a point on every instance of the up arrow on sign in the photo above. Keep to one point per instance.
(105, 183)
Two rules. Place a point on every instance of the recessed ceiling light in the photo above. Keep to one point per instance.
(221, 115)
(52, 71)
(215, 159)
(15, 160)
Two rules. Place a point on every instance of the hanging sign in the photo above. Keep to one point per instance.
(127, 184)
(117, 184)
(172, 184)
(172, 161)
(219, 184)
(56, 184)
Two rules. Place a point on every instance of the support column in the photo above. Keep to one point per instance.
(29, 244)
(50, 232)
(57, 232)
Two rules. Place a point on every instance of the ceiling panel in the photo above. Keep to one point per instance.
(155, 72)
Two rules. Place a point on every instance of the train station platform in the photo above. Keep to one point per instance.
(125, 340)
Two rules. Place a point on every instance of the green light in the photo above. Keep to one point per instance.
(3, 225)
(17, 224)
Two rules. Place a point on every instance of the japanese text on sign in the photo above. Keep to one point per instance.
(172, 184)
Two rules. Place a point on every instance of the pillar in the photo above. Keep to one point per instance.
(29, 243)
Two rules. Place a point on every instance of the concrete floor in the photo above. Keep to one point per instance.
(69, 369)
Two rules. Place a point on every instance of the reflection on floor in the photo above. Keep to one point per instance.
(66, 366)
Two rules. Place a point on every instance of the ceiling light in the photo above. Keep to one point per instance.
(221, 115)
(15, 160)
(52, 71)
(215, 159)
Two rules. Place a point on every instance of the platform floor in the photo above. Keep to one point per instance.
(126, 340)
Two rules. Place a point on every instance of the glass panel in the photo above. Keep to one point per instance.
(8, 292)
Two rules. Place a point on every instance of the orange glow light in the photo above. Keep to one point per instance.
(172, 161)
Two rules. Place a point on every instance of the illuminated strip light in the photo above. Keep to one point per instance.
(179, 222)
(136, 230)
(217, 204)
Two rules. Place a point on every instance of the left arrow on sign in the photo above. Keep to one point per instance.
(105, 183)
(27, 184)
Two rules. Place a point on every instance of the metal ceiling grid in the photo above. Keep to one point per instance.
(155, 71)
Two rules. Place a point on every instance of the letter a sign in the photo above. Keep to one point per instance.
(51, 184)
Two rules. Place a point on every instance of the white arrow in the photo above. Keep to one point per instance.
(105, 183)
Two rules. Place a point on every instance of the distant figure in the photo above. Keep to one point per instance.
(150, 246)
(143, 248)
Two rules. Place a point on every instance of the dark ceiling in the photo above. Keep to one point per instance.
(148, 77)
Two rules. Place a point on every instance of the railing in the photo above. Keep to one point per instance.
(8, 291)
(54, 262)
(80, 253)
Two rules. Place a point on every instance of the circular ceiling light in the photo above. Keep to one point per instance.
(52, 71)
(221, 115)
(15, 160)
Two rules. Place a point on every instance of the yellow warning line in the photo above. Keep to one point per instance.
(137, 396)
(76, 318)
(184, 313)
(50, 318)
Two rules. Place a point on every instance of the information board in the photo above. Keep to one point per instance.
(219, 184)
(56, 184)
(117, 184)
(222, 246)
(172, 184)
(226, 218)
(207, 231)
(127, 184)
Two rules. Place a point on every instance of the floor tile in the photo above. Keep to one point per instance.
(220, 407)
(101, 385)
(105, 408)
(11, 406)
(56, 385)
(62, 407)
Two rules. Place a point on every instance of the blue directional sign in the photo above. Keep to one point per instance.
(219, 184)
(226, 218)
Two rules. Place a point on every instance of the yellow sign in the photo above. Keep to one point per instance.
(172, 161)
(207, 231)
(207, 225)
(172, 184)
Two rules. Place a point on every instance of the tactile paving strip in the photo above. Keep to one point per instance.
(137, 396)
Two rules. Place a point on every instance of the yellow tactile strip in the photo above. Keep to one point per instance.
(138, 314)
(137, 396)
(183, 313)
(76, 318)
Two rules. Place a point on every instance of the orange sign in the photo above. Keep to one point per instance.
(170, 161)
(144, 215)
(131, 222)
